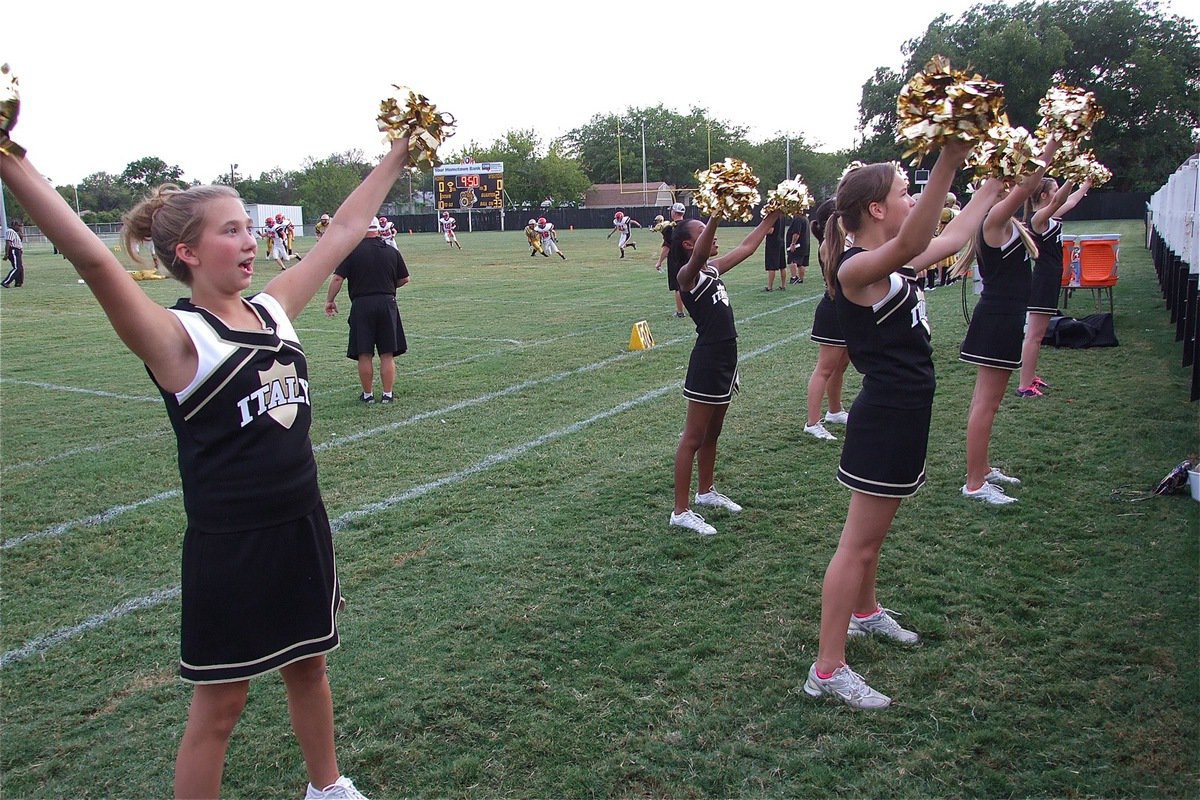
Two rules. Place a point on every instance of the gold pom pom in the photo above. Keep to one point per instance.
(419, 120)
(790, 197)
(727, 189)
(10, 108)
(1068, 113)
(941, 104)
(1073, 163)
(1007, 153)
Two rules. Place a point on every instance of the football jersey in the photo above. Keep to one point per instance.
(708, 305)
(242, 424)
(888, 343)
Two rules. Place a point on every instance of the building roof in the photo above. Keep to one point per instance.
(618, 195)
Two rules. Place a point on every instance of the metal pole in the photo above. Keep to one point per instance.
(644, 189)
(787, 171)
(76, 188)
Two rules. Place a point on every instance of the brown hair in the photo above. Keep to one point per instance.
(1045, 188)
(856, 191)
(167, 217)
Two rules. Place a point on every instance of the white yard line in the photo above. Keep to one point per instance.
(40, 644)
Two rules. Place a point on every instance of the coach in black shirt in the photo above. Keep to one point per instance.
(375, 271)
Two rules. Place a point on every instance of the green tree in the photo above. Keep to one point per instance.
(1141, 64)
(144, 174)
(321, 186)
(676, 145)
(103, 191)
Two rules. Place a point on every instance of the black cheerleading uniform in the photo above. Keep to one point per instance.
(259, 584)
(712, 375)
(1047, 270)
(997, 327)
(888, 432)
(825, 328)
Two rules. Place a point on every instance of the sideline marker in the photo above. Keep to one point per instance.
(640, 337)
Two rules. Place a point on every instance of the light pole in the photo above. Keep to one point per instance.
(233, 176)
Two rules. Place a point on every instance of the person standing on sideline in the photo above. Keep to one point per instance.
(712, 375)
(887, 435)
(322, 224)
(673, 265)
(773, 256)
(1005, 249)
(535, 241)
(797, 248)
(832, 356)
(1044, 210)
(14, 253)
(621, 225)
(259, 585)
(549, 238)
(447, 223)
(375, 271)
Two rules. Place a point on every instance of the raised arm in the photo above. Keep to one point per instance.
(295, 287)
(1073, 199)
(996, 225)
(959, 230)
(915, 232)
(1040, 220)
(746, 249)
(151, 332)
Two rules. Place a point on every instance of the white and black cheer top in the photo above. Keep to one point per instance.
(242, 424)
(708, 305)
(888, 342)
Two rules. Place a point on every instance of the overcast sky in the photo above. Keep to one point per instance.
(208, 84)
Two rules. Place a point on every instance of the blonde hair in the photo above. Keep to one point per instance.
(859, 187)
(169, 216)
(968, 256)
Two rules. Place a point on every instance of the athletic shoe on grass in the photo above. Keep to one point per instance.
(715, 499)
(693, 522)
(989, 493)
(818, 430)
(881, 624)
(1030, 391)
(342, 789)
(837, 418)
(846, 685)
(996, 476)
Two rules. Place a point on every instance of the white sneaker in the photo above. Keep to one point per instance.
(715, 499)
(989, 493)
(996, 476)
(882, 625)
(819, 431)
(840, 418)
(693, 522)
(846, 685)
(341, 789)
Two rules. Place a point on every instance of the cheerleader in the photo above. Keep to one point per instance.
(259, 586)
(1004, 249)
(887, 338)
(832, 358)
(712, 376)
(1044, 210)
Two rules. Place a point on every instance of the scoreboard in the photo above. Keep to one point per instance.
(464, 186)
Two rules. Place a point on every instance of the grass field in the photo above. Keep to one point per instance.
(522, 622)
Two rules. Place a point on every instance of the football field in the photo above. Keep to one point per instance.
(521, 621)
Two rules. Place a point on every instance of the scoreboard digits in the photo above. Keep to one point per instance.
(463, 186)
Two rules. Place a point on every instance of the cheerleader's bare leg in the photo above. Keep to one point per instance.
(850, 577)
(990, 385)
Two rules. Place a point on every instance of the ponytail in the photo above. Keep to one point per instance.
(830, 254)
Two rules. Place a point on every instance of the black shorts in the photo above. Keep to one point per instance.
(375, 327)
(257, 600)
(826, 329)
(1043, 296)
(799, 257)
(994, 340)
(712, 375)
(884, 452)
